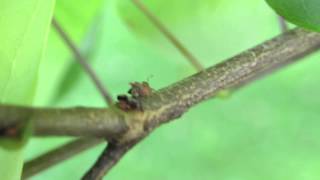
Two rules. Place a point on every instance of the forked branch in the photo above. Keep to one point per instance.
(232, 73)
(168, 103)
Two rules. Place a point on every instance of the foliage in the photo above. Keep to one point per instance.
(304, 13)
(23, 33)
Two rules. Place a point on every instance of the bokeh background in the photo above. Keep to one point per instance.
(267, 130)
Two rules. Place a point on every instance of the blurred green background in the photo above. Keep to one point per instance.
(267, 130)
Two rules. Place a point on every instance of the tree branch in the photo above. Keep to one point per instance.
(168, 103)
(89, 122)
(175, 100)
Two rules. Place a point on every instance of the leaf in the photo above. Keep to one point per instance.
(23, 35)
(305, 13)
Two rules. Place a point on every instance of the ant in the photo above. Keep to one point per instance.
(137, 91)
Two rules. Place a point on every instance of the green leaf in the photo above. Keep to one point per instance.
(23, 36)
(305, 13)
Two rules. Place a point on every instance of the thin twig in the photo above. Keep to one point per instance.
(58, 155)
(282, 24)
(82, 61)
(164, 30)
